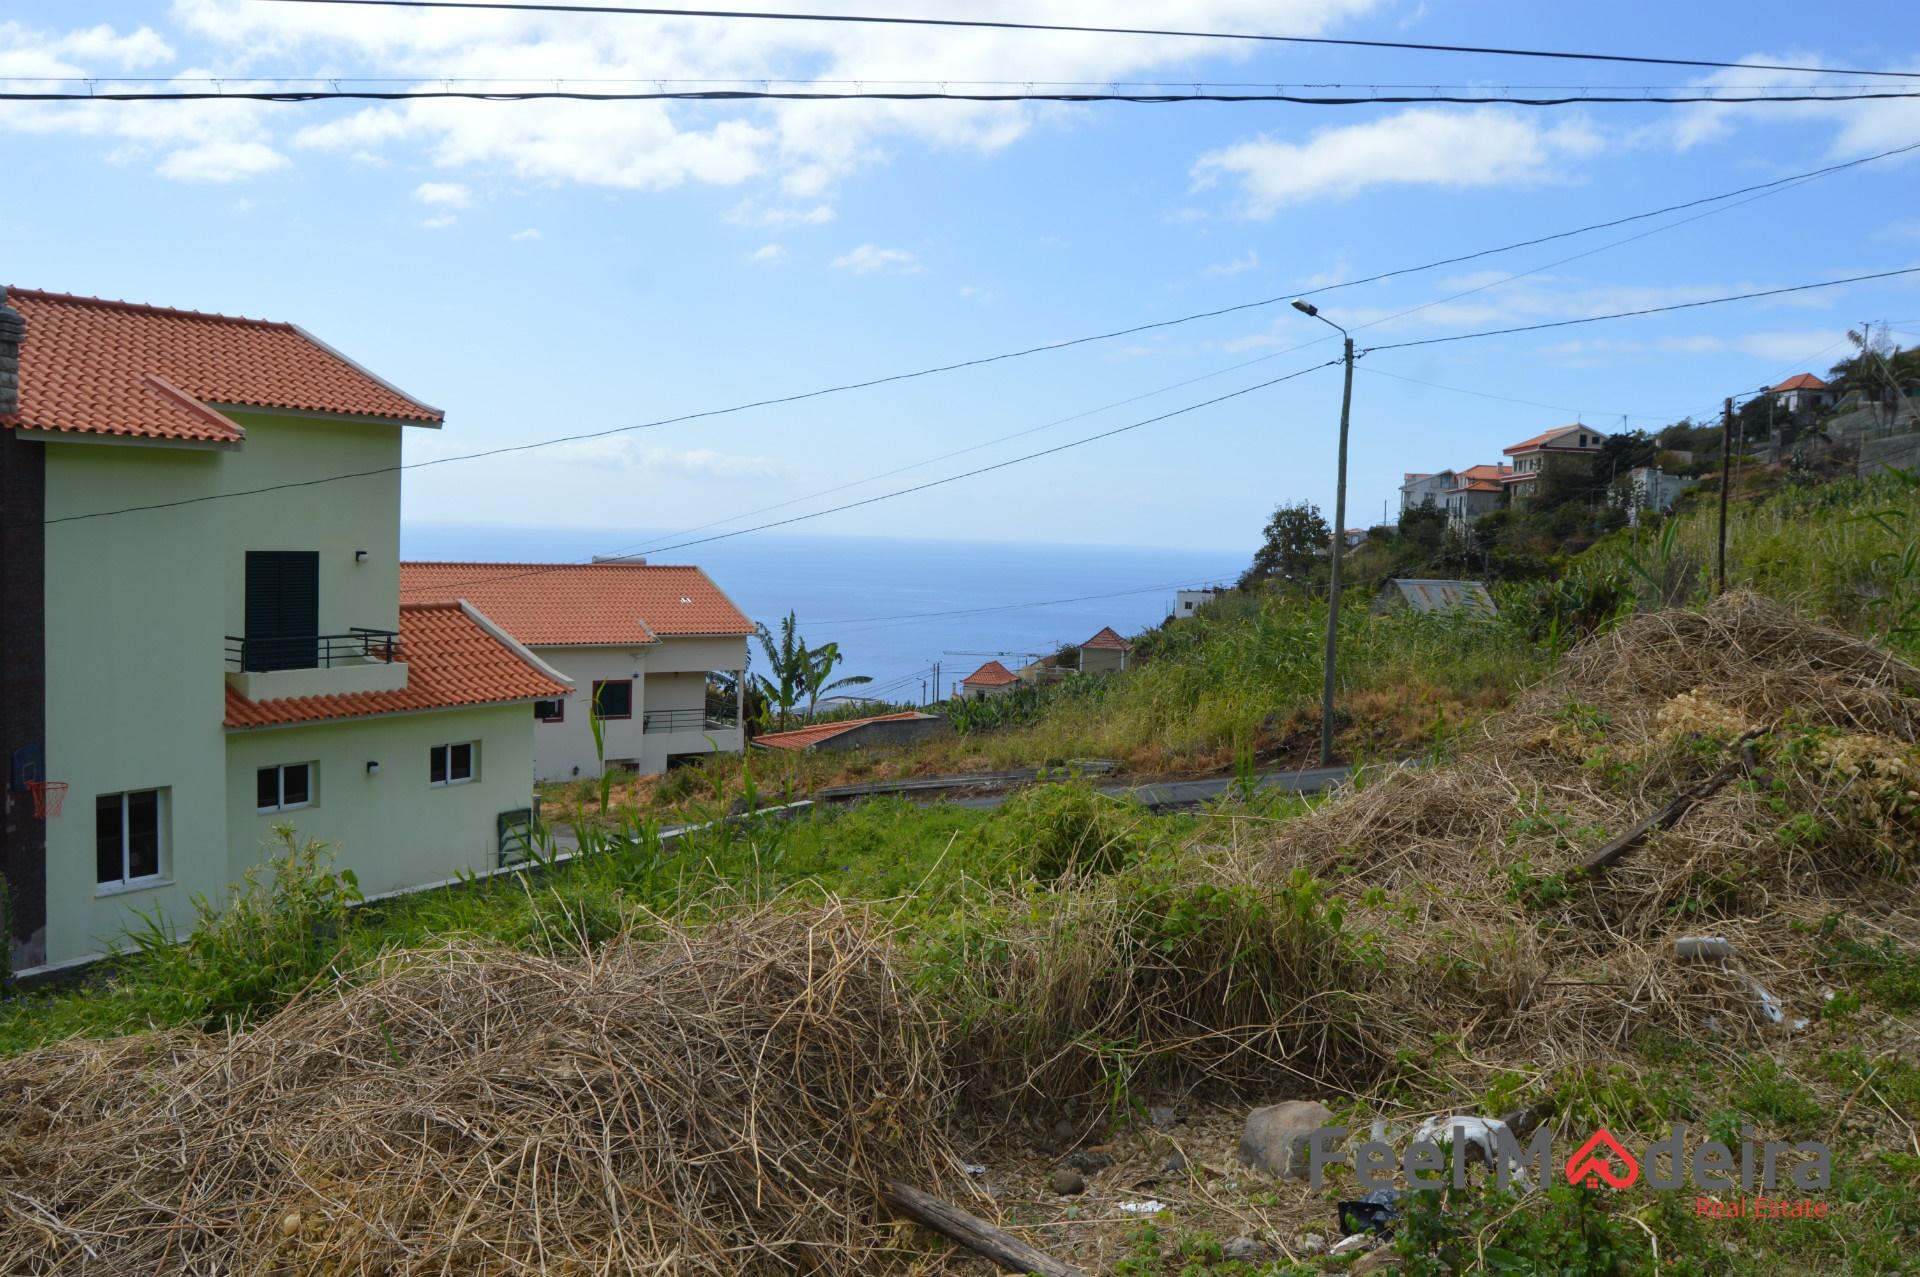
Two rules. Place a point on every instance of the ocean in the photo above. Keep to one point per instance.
(898, 606)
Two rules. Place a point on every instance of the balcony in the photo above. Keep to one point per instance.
(689, 720)
(360, 660)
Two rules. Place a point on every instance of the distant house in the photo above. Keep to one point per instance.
(1417, 490)
(1477, 492)
(855, 733)
(1435, 596)
(1104, 653)
(1802, 393)
(1046, 669)
(991, 679)
(1355, 538)
(1564, 451)
(647, 645)
(1650, 488)
(1187, 602)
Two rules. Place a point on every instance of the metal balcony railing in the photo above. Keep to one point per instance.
(312, 651)
(688, 720)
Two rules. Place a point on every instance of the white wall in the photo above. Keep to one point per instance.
(667, 676)
(394, 830)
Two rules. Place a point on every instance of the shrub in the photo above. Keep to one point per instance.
(1052, 829)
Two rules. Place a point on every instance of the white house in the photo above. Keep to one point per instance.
(204, 636)
(649, 646)
(1650, 488)
(991, 679)
(1417, 490)
(1187, 602)
(1803, 392)
(1563, 451)
(1104, 653)
(1477, 491)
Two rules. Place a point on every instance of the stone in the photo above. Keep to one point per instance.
(1312, 1244)
(1068, 1182)
(1161, 1117)
(1244, 1248)
(1063, 1134)
(1090, 1160)
(1376, 1261)
(1175, 1163)
(1276, 1137)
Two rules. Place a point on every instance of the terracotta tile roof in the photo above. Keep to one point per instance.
(1545, 438)
(992, 674)
(1107, 638)
(804, 737)
(116, 368)
(452, 661)
(582, 604)
(1804, 381)
(1477, 485)
(1493, 472)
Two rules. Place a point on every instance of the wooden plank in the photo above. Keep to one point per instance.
(1628, 841)
(1008, 1252)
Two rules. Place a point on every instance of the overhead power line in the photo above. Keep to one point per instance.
(1020, 353)
(1648, 310)
(929, 95)
(527, 6)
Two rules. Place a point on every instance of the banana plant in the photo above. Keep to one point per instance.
(820, 665)
(788, 663)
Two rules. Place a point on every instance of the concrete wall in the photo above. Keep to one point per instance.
(1102, 660)
(393, 830)
(901, 731)
(1894, 450)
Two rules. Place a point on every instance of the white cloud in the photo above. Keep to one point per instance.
(220, 161)
(443, 194)
(438, 223)
(768, 253)
(973, 292)
(622, 452)
(1423, 146)
(1814, 348)
(520, 237)
(799, 149)
(1238, 266)
(747, 213)
(869, 259)
(27, 52)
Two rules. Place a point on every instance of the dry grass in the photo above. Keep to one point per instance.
(719, 1102)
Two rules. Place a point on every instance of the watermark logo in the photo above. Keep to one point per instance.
(1594, 1163)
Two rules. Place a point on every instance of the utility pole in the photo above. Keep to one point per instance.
(1726, 482)
(1339, 542)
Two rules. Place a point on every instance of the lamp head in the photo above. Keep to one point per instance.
(1306, 308)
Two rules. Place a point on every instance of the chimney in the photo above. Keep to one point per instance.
(13, 332)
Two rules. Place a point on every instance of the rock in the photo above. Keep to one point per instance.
(1245, 1248)
(1161, 1117)
(1312, 1244)
(1376, 1261)
(1068, 1182)
(1064, 1134)
(1090, 1160)
(1276, 1136)
(1175, 1163)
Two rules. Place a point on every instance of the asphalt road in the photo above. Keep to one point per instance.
(1188, 793)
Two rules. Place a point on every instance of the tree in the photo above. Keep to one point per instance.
(788, 662)
(1423, 525)
(820, 668)
(1291, 545)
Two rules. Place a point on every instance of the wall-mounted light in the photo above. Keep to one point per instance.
(373, 769)
(359, 556)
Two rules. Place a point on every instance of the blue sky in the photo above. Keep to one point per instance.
(538, 270)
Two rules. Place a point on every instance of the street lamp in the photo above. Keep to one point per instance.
(1339, 541)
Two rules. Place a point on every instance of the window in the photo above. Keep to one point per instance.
(451, 764)
(553, 711)
(127, 837)
(613, 698)
(284, 788)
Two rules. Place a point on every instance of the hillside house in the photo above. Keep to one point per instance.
(1104, 653)
(203, 635)
(856, 733)
(656, 651)
(1802, 393)
(1563, 452)
(1650, 488)
(1478, 491)
(991, 679)
(1417, 490)
(1187, 602)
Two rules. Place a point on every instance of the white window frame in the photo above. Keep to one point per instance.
(162, 817)
(280, 785)
(473, 764)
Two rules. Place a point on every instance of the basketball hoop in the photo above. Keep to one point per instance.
(47, 797)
